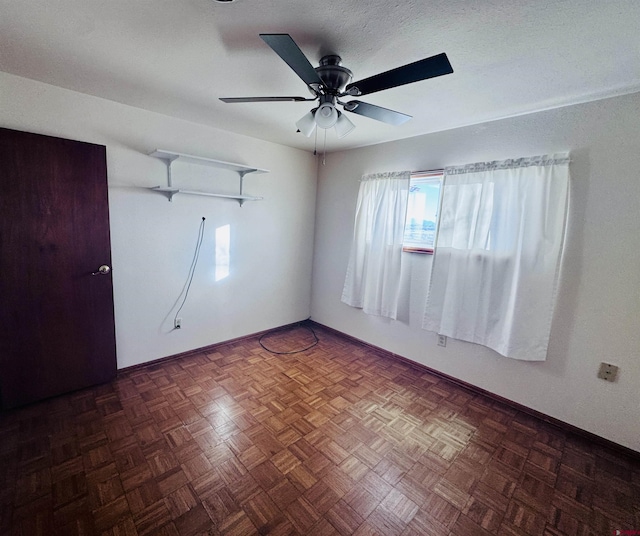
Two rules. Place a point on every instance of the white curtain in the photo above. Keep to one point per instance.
(373, 273)
(497, 258)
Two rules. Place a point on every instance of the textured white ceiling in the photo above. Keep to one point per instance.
(178, 57)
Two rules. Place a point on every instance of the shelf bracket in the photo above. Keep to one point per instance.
(169, 180)
(242, 174)
(171, 194)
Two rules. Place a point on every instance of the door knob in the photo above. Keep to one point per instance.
(103, 270)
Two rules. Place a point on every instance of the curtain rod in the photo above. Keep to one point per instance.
(428, 172)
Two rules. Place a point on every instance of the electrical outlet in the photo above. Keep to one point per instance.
(608, 372)
(442, 340)
(177, 323)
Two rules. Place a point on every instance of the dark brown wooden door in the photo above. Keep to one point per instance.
(56, 319)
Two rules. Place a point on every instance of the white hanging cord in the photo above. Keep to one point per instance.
(192, 269)
(315, 143)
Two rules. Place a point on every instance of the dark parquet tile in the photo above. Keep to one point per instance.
(336, 440)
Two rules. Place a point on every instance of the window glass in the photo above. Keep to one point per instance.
(423, 206)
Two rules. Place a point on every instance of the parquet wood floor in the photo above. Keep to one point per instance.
(337, 440)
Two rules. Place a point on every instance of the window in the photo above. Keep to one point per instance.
(423, 206)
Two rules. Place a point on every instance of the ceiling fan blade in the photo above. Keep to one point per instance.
(232, 100)
(413, 72)
(376, 112)
(285, 47)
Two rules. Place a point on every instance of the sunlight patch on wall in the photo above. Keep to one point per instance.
(223, 255)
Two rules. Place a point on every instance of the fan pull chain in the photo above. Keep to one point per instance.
(324, 149)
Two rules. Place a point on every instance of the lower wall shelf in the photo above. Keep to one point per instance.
(170, 192)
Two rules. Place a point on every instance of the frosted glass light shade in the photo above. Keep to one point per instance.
(326, 115)
(307, 124)
(343, 126)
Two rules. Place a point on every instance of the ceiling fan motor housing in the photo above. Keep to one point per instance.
(333, 75)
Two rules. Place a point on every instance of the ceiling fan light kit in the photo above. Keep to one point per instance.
(307, 124)
(344, 126)
(318, 118)
(326, 115)
(330, 81)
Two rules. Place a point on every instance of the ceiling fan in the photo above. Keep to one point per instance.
(330, 81)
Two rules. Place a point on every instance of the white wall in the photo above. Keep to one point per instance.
(598, 312)
(153, 240)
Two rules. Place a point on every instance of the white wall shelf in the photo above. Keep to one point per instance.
(170, 190)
